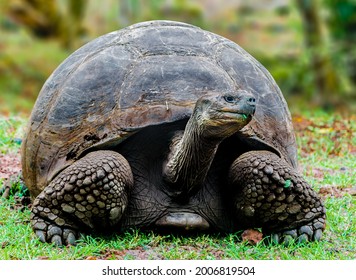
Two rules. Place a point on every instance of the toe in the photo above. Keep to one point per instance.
(47, 231)
(303, 238)
(57, 240)
(41, 235)
(69, 237)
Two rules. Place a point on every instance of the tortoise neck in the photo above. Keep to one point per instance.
(190, 158)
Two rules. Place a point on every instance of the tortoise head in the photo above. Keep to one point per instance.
(222, 114)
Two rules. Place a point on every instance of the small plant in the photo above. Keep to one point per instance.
(11, 131)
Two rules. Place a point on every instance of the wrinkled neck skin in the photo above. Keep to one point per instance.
(190, 158)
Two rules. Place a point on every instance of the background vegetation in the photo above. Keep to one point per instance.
(308, 46)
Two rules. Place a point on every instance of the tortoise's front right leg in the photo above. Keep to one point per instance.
(268, 193)
(90, 195)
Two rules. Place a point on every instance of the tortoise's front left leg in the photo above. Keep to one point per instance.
(268, 193)
(90, 195)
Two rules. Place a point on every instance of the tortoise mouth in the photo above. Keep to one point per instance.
(236, 114)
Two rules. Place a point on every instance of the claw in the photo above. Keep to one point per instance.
(69, 237)
(317, 235)
(303, 238)
(49, 232)
(56, 239)
(41, 235)
(307, 230)
(292, 233)
(275, 238)
(53, 230)
(287, 239)
(289, 236)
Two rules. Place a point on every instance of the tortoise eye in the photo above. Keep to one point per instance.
(229, 98)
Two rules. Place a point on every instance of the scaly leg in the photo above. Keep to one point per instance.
(269, 194)
(91, 194)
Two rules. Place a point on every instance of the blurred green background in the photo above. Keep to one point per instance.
(308, 46)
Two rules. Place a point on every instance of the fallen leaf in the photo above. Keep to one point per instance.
(5, 244)
(352, 191)
(89, 258)
(319, 173)
(324, 130)
(43, 258)
(252, 236)
(335, 191)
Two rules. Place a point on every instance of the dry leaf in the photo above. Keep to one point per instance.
(252, 236)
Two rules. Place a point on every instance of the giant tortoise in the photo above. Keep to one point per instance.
(162, 125)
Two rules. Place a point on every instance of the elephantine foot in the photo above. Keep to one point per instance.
(269, 194)
(90, 195)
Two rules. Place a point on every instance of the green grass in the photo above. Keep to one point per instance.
(327, 149)
(11, 131)
(339, 242)
(327, 158)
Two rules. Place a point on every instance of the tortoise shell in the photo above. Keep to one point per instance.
(146, 74)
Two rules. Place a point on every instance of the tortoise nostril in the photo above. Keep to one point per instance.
(251, 101)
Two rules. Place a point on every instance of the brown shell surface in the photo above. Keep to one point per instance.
(146, 74)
